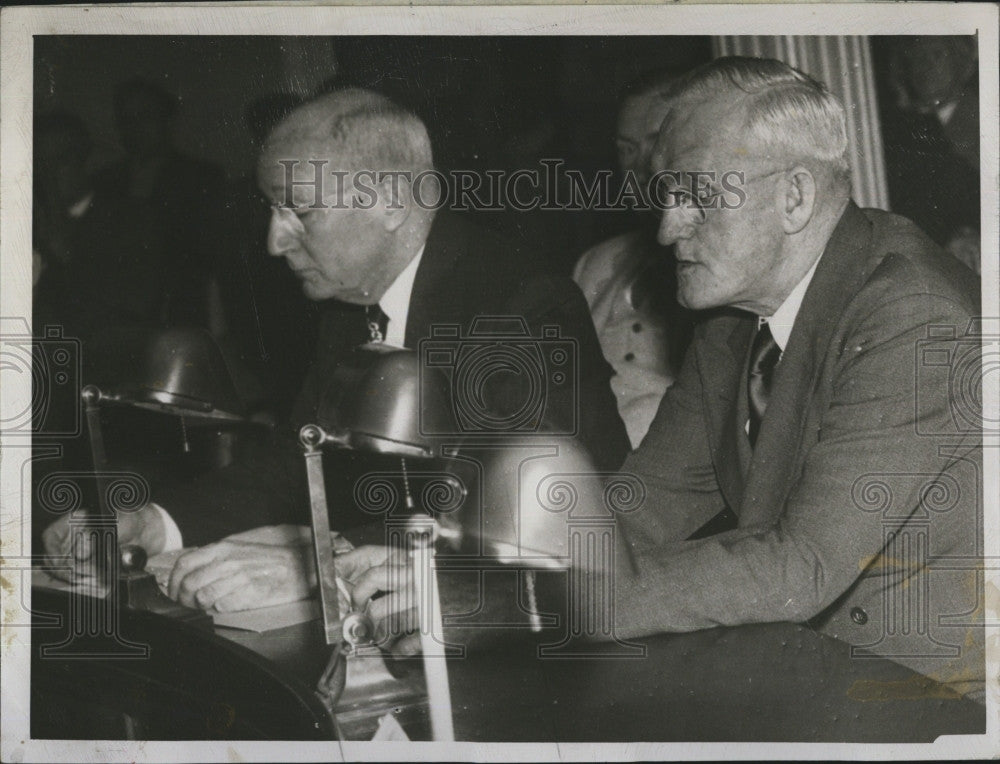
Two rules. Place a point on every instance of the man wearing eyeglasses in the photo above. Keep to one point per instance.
(812, 462)
(790, 468)
(386, 264)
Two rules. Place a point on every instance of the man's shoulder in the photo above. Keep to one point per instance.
(906, 262)
(472, 272)
(474, 257)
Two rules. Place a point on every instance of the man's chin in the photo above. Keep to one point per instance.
(692, 299)
(696, 290)
(317, 292)
(312, 292)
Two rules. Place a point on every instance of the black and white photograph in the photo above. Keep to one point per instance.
(499, 383)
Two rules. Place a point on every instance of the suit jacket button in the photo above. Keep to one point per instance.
(859, 616)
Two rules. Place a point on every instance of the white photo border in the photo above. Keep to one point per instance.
(19, 24)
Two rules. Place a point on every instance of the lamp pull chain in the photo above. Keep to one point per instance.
(184, 436)
(533, 614)
(407, 496)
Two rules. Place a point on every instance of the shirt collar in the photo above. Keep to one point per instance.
(395, 303)
(784, 317)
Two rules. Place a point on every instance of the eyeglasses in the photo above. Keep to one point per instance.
(287, 215)
(697, 203)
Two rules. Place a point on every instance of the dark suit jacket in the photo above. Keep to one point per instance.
(465, 273)
(859, 509)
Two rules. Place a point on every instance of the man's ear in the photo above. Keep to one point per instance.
(396, 199)
(799, 199)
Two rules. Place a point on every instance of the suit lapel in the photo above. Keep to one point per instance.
(778, 454)
(432, 281)
(721, 367)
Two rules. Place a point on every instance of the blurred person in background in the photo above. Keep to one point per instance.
(90, 257)
(630, 282)
(62, 197)
(166, 209)
(931, 138)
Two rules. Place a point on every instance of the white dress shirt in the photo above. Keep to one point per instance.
(784, 317)
(783, 320)
(395, 303)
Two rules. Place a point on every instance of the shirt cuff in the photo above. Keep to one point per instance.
(172, 534)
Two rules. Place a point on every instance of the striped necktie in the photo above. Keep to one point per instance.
(764, 356)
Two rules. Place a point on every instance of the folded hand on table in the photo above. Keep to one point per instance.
(238, 574)
(243, 572)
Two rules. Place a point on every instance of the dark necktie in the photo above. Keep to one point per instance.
(764, 356)
(377, 321)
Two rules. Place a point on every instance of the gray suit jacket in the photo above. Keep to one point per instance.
(860, 507)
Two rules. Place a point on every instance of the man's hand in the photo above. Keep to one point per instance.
(386, 575)
(144, 527)
(232, 575)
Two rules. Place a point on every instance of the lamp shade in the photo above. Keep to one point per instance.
(183, 373)
(381, 400)
(529, 501)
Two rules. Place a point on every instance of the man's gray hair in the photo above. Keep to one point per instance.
(367, 130)
(786, 111)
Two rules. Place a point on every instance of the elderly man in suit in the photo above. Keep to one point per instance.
(791, 413)
(810, 464)
(387, 264)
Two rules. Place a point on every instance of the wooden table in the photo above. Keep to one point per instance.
(773, 682)
(769, 682)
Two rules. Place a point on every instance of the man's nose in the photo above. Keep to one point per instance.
(282, 233)
(676, 224)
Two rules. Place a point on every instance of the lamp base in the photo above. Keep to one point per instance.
(371, 692)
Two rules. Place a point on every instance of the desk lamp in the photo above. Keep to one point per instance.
(381, 399)
(183, 374)
(544, 507)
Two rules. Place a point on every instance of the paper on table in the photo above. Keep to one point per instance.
(42, 579)
(269, 618)
(389, 730)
